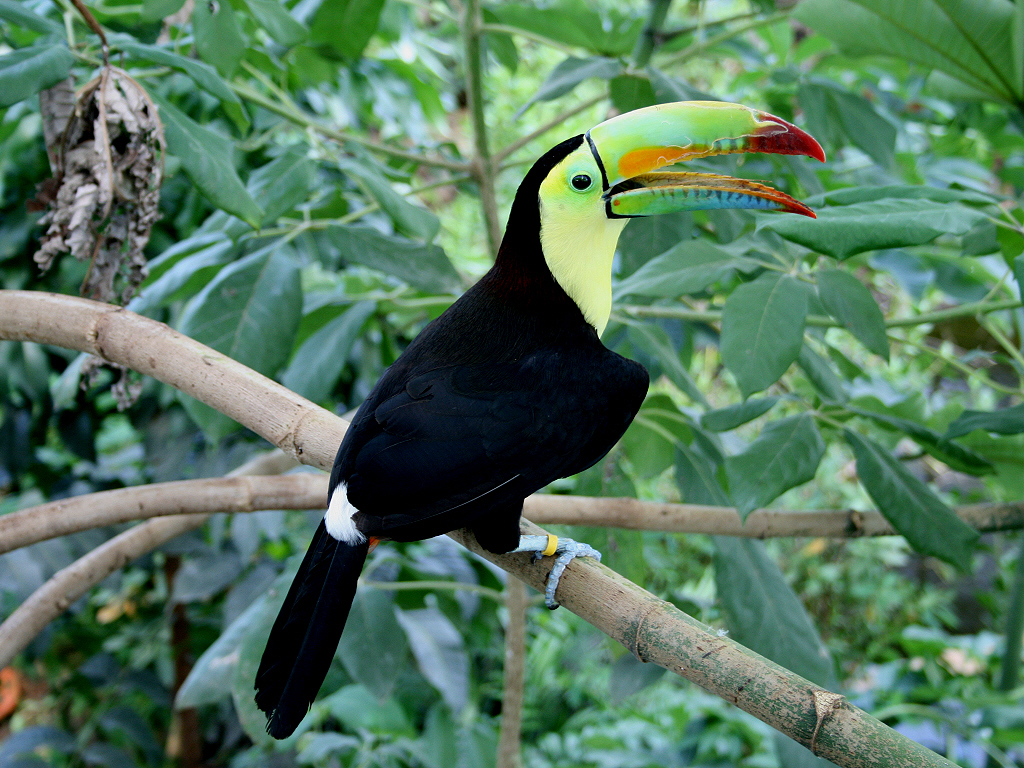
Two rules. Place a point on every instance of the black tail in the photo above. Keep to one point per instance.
(306, 633)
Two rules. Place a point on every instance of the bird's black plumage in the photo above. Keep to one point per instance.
(508, 390)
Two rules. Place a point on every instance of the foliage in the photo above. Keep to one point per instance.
(309, 229)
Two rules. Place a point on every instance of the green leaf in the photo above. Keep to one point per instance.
(843, 232)
(155, 10)
(955, 455)
(1018, 272)
(27, 71)
(423, 266)
(927, 523)
(210, 679)
(411, 219)
(273, 16)
(346, 25)
(689, 267)
(281, 185)
(650, 442)
(726, 419)
(372, 624)
(837, 117)
(249, 312)
(763, 330)
(821, 375)
(207, 159)
(850, 195)
(440, 654)
(696, 478)
(15, 12)
(502, 46)
(219, 37)
(575, 24)
(629, 92)
(318, 363)
(849, 302)
(570, 73)
(202, 74)
(650, 236)
(764, 613)
(786, 454)
(967, 39)
(1005, 421)
(654, 342)
(179, 267)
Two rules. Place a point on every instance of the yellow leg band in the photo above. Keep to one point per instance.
(552, 545)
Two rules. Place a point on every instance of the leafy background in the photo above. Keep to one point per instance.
(328, 193)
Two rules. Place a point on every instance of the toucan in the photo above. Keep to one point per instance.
(510, 388)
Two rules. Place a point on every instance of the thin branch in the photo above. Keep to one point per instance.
(699, 47)
(185, 497)
(521, 142)
(71, 583)
(504, 29)
(482, 166)
(309, 491)
(513, 688)
(303, 120)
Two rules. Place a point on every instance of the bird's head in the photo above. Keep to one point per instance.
(589, 186)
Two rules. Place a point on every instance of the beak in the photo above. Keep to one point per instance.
(631, 147)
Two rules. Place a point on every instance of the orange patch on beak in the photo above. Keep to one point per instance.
(647, 159)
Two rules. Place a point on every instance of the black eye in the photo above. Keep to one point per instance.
(581, 182)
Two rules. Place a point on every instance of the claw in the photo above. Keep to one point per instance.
(565, 551)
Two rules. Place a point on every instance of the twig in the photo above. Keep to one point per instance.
(510, 735)
(70, 583)
(309, 491)
(94, 25)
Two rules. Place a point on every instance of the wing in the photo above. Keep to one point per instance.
(456, 441)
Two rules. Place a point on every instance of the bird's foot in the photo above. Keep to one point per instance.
(563, 549)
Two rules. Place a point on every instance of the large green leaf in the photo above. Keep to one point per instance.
(440, 654)
(689, 267)
(843, 232)
(653, 341)
(273, 16)
(696, 478)
(282, 184)
(955, 455)
(1005, 421)
(372, 624)
(821, 375)
(207, 159)
(410, 219)
(318, 363)
(27, 71)
(346, 25)
(651, 440)
(570, 73)
(849, 302)
(763, 330)
(837, 117)
(785, 455)
(764, 614)
(730, 417)
(218, 34)
(249, 312)
(928, 524)
(19, 15)
(424, 266)
(969, 40)
(573, 23)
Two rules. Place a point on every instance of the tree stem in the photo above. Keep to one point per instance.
(509, 741)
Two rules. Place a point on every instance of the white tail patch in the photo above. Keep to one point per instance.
(339, 517)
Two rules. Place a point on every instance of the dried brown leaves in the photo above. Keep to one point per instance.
(108, 166)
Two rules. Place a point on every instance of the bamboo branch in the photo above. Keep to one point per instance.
(309, 491)
(656, 631)
(514, 684)
(652, 629)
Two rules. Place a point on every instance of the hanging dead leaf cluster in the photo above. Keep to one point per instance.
(103, 199)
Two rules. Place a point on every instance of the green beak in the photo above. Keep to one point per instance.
(631, 147)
